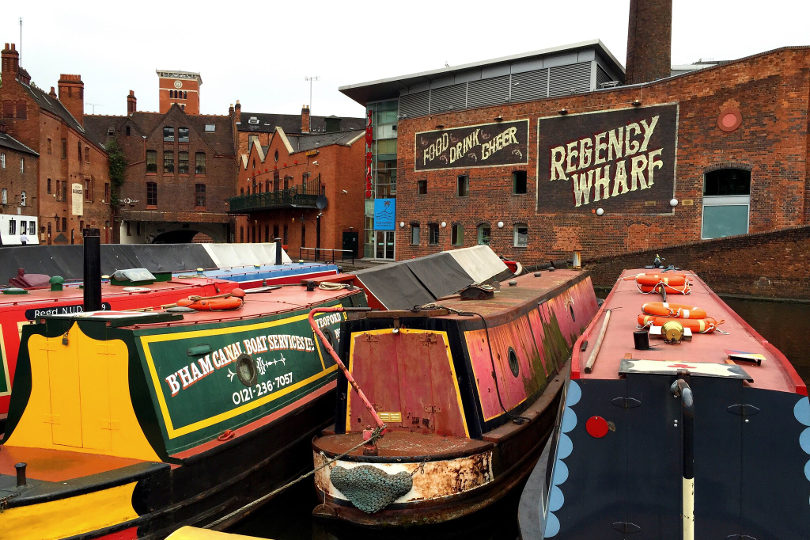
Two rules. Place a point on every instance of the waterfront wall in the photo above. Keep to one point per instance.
(772, 265)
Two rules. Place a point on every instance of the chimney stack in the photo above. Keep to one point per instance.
(305, 121)
(11, 60)
(649, 41)
(71, 94)
(132, 103)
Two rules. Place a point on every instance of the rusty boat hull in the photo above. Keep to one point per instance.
(469, 391)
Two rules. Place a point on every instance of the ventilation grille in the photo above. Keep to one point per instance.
(570, 79)
(530, 85)
(488, 91)
(411, 105)
(449, 98)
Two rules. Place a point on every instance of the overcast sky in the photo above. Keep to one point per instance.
(261, 52)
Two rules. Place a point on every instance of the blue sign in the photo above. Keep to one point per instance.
(385, 213)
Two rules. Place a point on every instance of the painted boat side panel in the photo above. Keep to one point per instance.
(101, 421)
(72, 516)
(750, 471)
(411, 376)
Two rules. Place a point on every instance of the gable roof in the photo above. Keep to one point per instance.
(291, 123)
(53, 105)
(7, 141)
(145, 123)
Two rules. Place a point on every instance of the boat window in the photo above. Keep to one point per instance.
(331, 339)
(246, 370)
(726, 203)
(514, 366)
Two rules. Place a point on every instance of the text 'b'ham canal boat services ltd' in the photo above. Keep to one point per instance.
(679, 421)
(127, 424)
(461, 396)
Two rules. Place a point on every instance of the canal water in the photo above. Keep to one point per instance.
(288, 517)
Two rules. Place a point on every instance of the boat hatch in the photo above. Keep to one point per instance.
(699, 369)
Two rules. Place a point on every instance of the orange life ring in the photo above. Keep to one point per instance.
(665, 309)
(702, 326)
(685, 289)
(211, 304)
(667, 278)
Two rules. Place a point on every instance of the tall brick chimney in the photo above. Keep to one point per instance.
(71, 94)
(11, 60)
(132, 103)
(305, 121)
(649, 41)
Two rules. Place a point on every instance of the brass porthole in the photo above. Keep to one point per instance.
(246, 370)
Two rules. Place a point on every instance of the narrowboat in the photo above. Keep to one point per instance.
(679, 421)
(126, 424)
(20, 306)
(444, 407)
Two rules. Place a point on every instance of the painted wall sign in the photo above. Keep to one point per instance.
(622, 160)
(385, 211)
(33, 314)
(77, 199)
(485, 145)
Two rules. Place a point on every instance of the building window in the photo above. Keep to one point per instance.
(521, 235)
(415, 234)
(79, 149)
(49, 185)
(182, 162)
(49, 147)
(210, 128)
(87, 154)
(421, 187)
(275, 232)
(64, 148)
(199, 163)
(88, 189)
(23, 198)
(519, 182)
(433, 233)
(4, 196)
(168, 162)
(151, 194)
(2, 161)
(462, 185)
(182, 134)
(726, 203)
(168, 134)
(151, 161)
(22, 165)
(457, 234)
(199, 195)
(106, 192)
(127, 131)
(64, 224)
(483, 234)
(12, 226)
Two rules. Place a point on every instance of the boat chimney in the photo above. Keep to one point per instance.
(92, 270)
(278, 251)
(21, 481)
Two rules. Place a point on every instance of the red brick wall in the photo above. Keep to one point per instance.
(16, 182)
(772, 265)
(770, 91)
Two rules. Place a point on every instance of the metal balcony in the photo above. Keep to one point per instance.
(272, 200)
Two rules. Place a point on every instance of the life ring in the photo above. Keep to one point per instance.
(211, 304)
(665, 309)
(706, 325)
(677, 280)
(685, 289)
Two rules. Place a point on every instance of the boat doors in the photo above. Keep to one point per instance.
(409, 377)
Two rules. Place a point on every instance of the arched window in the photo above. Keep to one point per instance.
(726, 202)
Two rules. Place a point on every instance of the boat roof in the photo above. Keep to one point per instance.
(716, 352)
(260, 302)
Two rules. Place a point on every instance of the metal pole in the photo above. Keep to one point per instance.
(680, 388)
(92, 270)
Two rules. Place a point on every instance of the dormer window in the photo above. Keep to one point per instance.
(253, 120)
(182, 134)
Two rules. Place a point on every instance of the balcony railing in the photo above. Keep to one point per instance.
(286, 198)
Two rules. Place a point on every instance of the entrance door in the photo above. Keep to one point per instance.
(350, 241)
(384, 244)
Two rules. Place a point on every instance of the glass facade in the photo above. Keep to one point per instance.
(380, 244)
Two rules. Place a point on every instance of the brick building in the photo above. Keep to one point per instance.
(549, 152)
(180, 172)
(18, 182)
(72, 189)
(305, 189)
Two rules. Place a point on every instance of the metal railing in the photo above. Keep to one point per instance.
(315, 251)
(287, 198)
